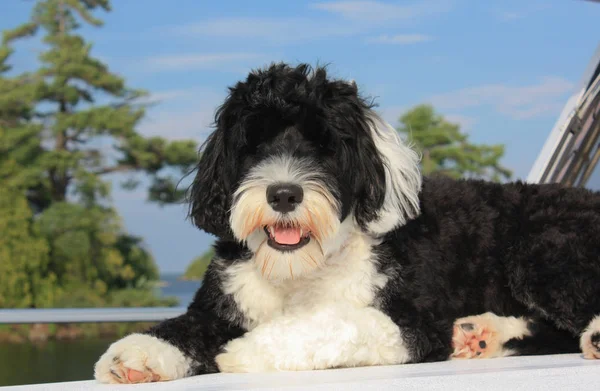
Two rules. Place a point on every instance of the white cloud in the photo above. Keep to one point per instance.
(508, 16)
(400, 39)
(377, 12)
(519, 102)
(182, 124)
(188, 115)
(391, 114)
(536, 110)
(271, 30)
(349, 18)
(526, 9)
(167, 95)
(198, 60)
(466, 123)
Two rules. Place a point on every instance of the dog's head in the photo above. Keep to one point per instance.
(296, 158)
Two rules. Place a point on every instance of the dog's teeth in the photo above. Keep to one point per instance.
(301, 232)
(272, 231)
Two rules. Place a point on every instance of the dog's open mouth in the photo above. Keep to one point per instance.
(287, 237)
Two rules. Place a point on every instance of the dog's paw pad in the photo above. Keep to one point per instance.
(110, 369)
(474, 337)
(140, 359)
(121, 374)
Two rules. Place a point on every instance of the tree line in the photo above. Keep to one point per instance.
(62, 243)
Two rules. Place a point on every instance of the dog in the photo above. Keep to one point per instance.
(334, 251)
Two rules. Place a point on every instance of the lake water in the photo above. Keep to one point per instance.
(56, 361)
(183, 290)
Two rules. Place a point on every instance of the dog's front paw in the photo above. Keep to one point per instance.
(241, 355)
(140, 358)
(590, 340)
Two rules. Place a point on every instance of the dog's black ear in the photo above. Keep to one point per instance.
(368, 179)
(375, 166)
(210, 193)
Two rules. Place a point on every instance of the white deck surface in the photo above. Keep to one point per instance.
(560, 372)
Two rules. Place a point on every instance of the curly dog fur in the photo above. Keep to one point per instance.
(333, 251)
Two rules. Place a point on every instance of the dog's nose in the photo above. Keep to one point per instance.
(284, 197)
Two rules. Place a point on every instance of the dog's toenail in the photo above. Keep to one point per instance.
(478, 353)
(482, 344)
(467, 326)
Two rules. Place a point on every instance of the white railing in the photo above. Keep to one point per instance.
(88, 315)
(571, 153)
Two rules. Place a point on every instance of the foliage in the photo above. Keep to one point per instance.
(197, 268)
(25, 278)
(81, 106)
(63, 129)
(447, 151)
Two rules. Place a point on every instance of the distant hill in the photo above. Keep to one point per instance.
(196, 269)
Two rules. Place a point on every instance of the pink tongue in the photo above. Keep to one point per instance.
(286, 235)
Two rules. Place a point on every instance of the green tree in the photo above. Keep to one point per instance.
(81, 107)
(56, 124)
(25, 280)
(197, 268)
(447, 151)
(19, 145)
(138, 260)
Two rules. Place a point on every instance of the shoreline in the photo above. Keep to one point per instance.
(43, 332)
(39, 333)
(193, 279)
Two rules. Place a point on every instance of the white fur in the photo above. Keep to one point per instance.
(143, 353)
(322, 320)
(509, 327)
(313, 308)
(402, 176)
(318, 213)
(327, 337)
(585, 342)
(499, 329)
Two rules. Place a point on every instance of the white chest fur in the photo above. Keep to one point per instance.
(324, 320)
(349, 279)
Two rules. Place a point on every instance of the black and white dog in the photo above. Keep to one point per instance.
(333, 251)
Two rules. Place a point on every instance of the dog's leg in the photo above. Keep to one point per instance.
(590, 340)
(489, 335)
(485, 335)
(175, 348)
(325, 338)
(552, 265)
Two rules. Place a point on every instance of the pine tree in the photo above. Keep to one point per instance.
(20, 146)
(54, 123)
(80, 105)
(25, 280)
(447, 151)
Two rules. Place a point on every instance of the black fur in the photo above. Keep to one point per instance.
(328, 113)
(513, 249)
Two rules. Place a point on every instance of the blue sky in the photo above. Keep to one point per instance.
(502, 69)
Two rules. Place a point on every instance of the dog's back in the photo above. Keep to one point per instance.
(514, 249)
